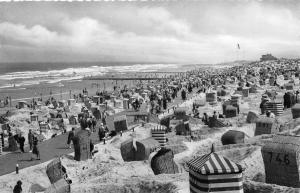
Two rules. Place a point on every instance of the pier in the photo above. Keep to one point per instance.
(123, 78)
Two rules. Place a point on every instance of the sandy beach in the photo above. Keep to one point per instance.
(150, 97)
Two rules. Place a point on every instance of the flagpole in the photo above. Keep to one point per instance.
(238, 51)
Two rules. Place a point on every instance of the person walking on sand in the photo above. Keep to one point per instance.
(18, 187)
(70, 137)
(165, 105)
(94, 123)
(22, 142)
(101, 132)
(103, 118)
(91, 148)
(183, 94)
(215, 115)
(90, 123)
(30, 139)
(35, 149)
(205, 119)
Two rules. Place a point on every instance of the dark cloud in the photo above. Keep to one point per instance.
(181, 31)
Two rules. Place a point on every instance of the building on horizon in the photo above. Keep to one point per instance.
(267, 57)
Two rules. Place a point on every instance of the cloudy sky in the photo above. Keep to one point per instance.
(161, 31)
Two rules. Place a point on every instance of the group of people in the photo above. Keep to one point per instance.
(160, 96)
(32, 142)
(89, 123)
(102, 133)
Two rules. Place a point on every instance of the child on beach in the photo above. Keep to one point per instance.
(18, 187)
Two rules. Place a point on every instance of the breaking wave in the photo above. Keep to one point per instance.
(25, 78)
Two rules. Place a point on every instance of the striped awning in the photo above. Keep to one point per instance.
(274, 107)
(213, 164)
(158, 128)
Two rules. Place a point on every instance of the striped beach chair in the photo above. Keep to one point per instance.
(214, 173)
(275, 107)
(159, 134)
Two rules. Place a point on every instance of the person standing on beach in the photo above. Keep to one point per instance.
(190, 88)
(89, 123)
(70, 137)
(21, 142)
(104, 118)
(215, 115)
(164, 103)
(35, 149)
(94, 123)
(6, 101)
(91, 148)
(101, 132)
(173, 94)
(159, 101)
(169, 98)
(183, 94)
(205, 119)
(30, 139)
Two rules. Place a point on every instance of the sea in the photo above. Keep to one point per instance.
(25, 80)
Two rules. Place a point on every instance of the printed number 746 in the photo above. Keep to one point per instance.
(279, 159)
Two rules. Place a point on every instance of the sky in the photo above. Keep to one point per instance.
(204, 31)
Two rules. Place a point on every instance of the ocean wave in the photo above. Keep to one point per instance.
(6, 86)
(56, 80)
(27, 83)
(88, 71)
(79, 80)
(11, 89)
(26, 78)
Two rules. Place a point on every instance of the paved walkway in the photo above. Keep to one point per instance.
(49, 149)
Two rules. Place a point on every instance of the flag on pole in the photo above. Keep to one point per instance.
(238, 46)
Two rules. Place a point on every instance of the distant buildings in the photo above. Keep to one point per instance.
(267, 57)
